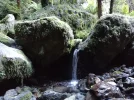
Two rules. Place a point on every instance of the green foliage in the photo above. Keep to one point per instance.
(7, 7)
(82, 34)
(125, 9)
(131, 13)
(121, 6)
(78, 18)
(92, 7)
(10, 7)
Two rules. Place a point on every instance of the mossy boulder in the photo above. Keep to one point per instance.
(110, 36)
(78, 18)
(7, 24)
(44, 40)
(6, 40)
(13, 63)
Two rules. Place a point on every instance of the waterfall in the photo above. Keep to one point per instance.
(74, 64)
(74, 81)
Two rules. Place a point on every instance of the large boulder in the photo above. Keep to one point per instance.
(44, 40)
(111, 36)
(13, 63)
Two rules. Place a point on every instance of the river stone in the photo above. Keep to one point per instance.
(106, 89)
(77, 96)
(109, 37)
(13, 63)
(1, 98)
(52, 95)
(10, 94)
(13, 95)
(44, 40)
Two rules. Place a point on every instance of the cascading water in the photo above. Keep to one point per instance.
(74, 67)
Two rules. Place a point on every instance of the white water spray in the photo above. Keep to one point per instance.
(74, 67)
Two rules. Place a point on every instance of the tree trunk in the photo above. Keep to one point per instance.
(18, 4)
(131, 5)
(44, 3)
(99, 8)
(111, 6)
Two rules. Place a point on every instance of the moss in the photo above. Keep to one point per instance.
(6, 40)
(82, 34)
(27, 96)
(13, 63)
(16, 68)
(117, 72)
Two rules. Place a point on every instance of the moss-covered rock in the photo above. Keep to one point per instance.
(78, 18)
(12, 94)
(110, 36)
(13, 63)
(6, 40)
(44, 40)
(7, 24)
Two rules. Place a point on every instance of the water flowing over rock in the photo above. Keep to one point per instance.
(110, 37)
(44, 40)
(13, 63)
(74, 64)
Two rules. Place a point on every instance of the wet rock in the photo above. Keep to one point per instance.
(71, 97)
(60, 89)
(119, 74)
(52, 95)
(91, 79)
(10, 94)
(80, 97)
(124, 83)
(82, 85)
(63, 89)
(105, 76)
(23, 93)
(129, 81)
(90, 96)
(25, 96)
(76, 97)
(106, 89)
(1, 98)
